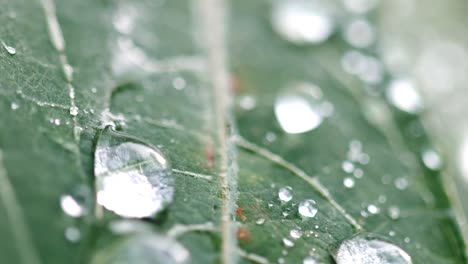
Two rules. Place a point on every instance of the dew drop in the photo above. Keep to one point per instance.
(309, 260)
(72, 234)
(348, 182)
(373, 209)
(298, 109)
(394, 212)
(14, 106)
(360, 33)
(288, 243)
(431, 159)
(285, 194)
(179, 83)
(260, 221)
(307, 208)
(9, 49)
(247, 102)
(403, 95)
(74, 110)
(70, 206)
(270, 137)
(132, 177)
(391, 233)
(401, 183)
(302, 22)
(360, 6)
(407, 240)
(295, 234)
(56, 121)
(347, 166)
(368, 249)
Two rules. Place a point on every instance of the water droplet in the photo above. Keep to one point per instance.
(358, 173)
(373, 209)
(285, 194)
(270, 137)
(72, 234)
(179, 83)
(68, 71)
(260, 221)
(93, 90)
(14, 106)
(391, 233)
(74, 110)
(360, 6)
(56, 121)
(132, 177)
(348, 182)
(407, 240)
(403, 95)
(70, 206)
(347, 166)
(382, 198)
(353, 62)
(432, 159)
(9, 49)
(288, 243)
(372, 70)
(401, 183)
(368, 249)
(307, 208)
(360, 33)
(295, 234)
(298, 109)
(394, 212)
(247, 102)
(309, 260)
(302, 22)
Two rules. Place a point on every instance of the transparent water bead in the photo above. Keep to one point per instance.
(300, 108)
(132, 178)
(144, 248)
(78, 202)
(309, 260)
(302, 21)
(369, 249)
(360, 33)
(285, 194)
(9, 49)
(403, 95)
(432, 159)
(307, 208)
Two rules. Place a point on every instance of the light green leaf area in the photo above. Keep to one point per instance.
(175, 74)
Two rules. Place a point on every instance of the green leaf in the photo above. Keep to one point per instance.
(199, 80)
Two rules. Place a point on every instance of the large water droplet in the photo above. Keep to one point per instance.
(9, 49)
(307, 208)
(309, 260)
(368, 249)
(300, 108)
(302, 21)
(403, 95)
(285, 194)
(132, 178)
(432, 159)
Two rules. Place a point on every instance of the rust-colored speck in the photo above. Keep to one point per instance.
(243, 234)
(235, 84)
(240, 213)
(209, 155)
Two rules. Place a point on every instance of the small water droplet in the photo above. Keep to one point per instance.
(403, 95)
(288, 243)
(360, 6)
(285, 194)
(348, 182)
(391, 233)
(295, 234)
(360, 33)
(298, 108)
(132, 177)
(9, 49)
(247, 102)
(432, 159)
(68, 71)
(373, 209)
(93, 90)
(302, 21)
(368, 249)
(179, 83)
(14, 106)
(270, 137)
(407, 240)
(347, 166)
(70, 206)
(74, 110)
(72, 234)
(358, 173)
(260, 221)
(56, 121)
(307, 208)
(382, 198)
(309, 260)
(401, 183)
(394, 212)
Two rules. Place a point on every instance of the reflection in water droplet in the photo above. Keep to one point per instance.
(74, 110)
(70, 206)
(260, 221)
(348, 182)
(307, 208)
(9, 49)
(296, 234)
(179, 83)
(72, 234)
(373, 209)
(285, 194)
(288, 243)
(403, 95)
(132, 178)
(299, 108)
(14, 106)
(360, 33)
(432, 159)
(347, 166)
(368, 249)
(302, 21)
(143, 248)
(309, 260)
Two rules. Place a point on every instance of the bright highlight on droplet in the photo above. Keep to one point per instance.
(70, 206)
(9, 49)
(132, 178)
(403, 95)
(301, 22)
(285, 194)
(368, 249)
(300, 108)
(307, 208)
